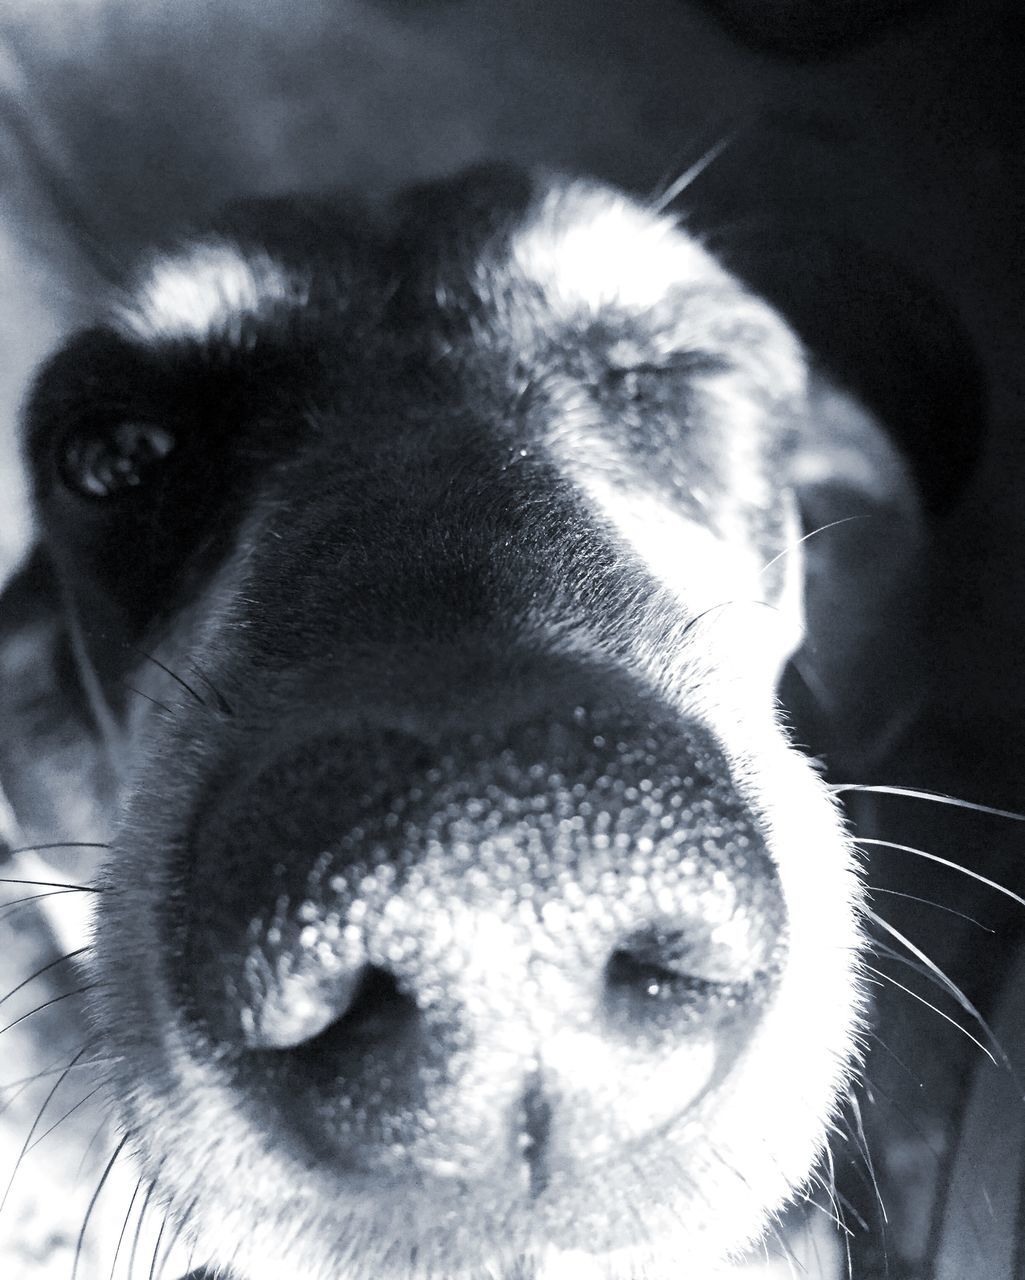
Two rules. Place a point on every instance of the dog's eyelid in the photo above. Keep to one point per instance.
(691, 362)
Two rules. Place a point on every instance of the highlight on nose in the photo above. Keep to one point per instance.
(438, 957)
(363, 1000)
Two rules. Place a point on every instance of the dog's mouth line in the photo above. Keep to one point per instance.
(547, 1180)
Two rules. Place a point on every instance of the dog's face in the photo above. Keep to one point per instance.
(425, 584)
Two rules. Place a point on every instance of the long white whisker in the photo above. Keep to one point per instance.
(963, 1000)
(944, 862)
(930, 902)
(862, 1140)
(916, 793)
(948, 983)
(814, 533)
(886, 977)
(692, 173)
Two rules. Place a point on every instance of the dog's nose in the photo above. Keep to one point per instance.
(427, 954)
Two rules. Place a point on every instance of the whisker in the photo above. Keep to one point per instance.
(56, 885)
(139, 1221)
(124, 1227)
(222, 702)
(92, 1205)
(943, 862)
(849, 1208)
(692, 173)
(899, 1061)
(22, 1082)
(70, 1112)
(814, 533)
(940, 980)
(60, 190)
(155, 701)
(67, 995)
(156, 1248)
(70, 955)
(886, 977)
(813, 682)
(916, 1128)
(59, 844)
(839, 1202)
(10, 908)
(53, 884)
(794, 1264)
(98, 1133)
(173, 674)
(862, 1141)
(17, 1087)
(916, 793)
(183, 1220)
(723, 604)
(828, 1211)
(929, 902)
(190, 1272)
(26, 1145)
(840, 1205)
(943, 978)
(939, 1155)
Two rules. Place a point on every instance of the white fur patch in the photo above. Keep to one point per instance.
(699, 569)
(588, 247)
(207, 291)
(720, 583)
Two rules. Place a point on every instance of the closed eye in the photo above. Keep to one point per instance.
(631, 378)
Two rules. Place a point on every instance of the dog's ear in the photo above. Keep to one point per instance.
(893, 430)
(857, 680)
(54, 769)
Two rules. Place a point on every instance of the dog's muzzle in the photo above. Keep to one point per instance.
(478, 958)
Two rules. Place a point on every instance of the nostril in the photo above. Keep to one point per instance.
(363, 1005)
(379, 1009)
(697, 975)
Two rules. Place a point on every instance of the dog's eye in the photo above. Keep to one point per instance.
(637, 378)
(103, 463)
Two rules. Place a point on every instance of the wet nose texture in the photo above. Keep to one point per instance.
(462, 959)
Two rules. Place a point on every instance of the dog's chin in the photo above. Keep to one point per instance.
(254, 1204)
(258, 1214)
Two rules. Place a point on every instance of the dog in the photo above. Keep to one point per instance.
(459, 540)
(413, 589)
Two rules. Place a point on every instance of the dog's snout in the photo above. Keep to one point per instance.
(424, 955)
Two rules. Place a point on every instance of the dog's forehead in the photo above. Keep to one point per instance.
(588, 248)
(207, 290)
(578, 247)
(504, 327)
